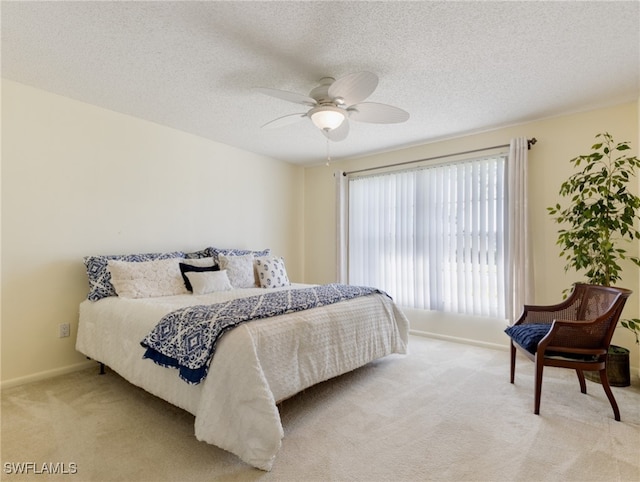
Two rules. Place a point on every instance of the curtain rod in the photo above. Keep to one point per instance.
(530, 142)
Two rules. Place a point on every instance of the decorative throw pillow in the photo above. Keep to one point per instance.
(272, 272)
(203, 253)
(239, 269)
(100, 278)
(217, 252)
(146, 279)
(528, 335)
(204, 282)
(198, 265)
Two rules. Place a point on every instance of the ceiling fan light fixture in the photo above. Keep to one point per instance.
(327, 117)
(332, 105)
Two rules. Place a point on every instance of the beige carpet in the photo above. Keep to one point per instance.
(445, 412)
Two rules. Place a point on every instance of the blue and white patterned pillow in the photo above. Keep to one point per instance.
(272, 272)
(216, 252)
(99, 277)
(203, 253)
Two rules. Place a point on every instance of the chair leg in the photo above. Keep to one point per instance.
(607, 389)
(538, 390)
(583, 385)
(513, 362)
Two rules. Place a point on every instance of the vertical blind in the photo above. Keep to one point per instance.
(432, 237)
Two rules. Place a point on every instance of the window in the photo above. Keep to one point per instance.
(433, 237)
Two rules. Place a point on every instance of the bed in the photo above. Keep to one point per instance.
(255, 366)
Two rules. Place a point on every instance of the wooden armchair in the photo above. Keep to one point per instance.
(573, 334)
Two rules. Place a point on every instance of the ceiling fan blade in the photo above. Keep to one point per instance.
(338, 134)
(377, 113)
(354, 88)
(285, 120)
(288, 96)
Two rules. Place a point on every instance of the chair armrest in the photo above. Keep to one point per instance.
(570, 336)
(547, 313)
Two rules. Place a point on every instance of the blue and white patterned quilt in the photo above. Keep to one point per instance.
(186, 339)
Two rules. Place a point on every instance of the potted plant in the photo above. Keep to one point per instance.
(600, 219)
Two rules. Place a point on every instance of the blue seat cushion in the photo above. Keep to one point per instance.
(528, 335)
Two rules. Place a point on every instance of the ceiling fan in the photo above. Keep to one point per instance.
(333, 101)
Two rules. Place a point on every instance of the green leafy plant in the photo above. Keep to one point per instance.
(601, 215)
(632, 325)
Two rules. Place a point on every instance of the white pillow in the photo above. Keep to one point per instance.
(272, 272)
(239, 269)
(204, 282)
(146, 279)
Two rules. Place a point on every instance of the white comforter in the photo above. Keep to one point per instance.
(255, 365)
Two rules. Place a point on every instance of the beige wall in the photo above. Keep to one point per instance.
(559, 140)
(80, 180)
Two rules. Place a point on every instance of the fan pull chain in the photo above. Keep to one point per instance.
(328, 155)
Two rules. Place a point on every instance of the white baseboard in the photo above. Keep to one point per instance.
(455, 339)
(14, 382)
(635, 372)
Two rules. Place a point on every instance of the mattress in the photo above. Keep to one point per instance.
(256, 365)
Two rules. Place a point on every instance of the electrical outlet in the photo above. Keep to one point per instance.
(64, 330)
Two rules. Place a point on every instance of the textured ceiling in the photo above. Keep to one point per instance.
(456, 67)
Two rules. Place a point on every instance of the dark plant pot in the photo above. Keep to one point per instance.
(617, 368)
